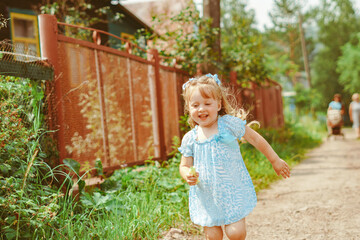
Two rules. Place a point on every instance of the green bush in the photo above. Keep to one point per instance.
(28, 200)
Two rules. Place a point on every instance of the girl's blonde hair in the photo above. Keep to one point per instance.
(209, 88)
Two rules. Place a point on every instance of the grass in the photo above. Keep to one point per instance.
(135, 203)
(291, 144)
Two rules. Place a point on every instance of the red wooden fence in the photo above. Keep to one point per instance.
(118, 107)
(264, 101)
(109, 104)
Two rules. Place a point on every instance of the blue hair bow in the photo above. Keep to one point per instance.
(215, 77)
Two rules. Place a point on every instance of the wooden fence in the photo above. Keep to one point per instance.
(109, 104)
(118, 107)
(263, 101)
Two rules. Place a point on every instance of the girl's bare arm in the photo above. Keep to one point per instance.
(185, 164)
(255, 139)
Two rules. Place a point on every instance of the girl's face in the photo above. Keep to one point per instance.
(203, 110)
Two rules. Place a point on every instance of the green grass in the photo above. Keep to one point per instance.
(134, 203)
(290, 143)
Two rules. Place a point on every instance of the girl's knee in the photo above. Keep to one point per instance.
(236, 231)
(236, 235)
(213, 233)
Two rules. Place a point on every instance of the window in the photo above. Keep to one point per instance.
(127, 36)
(24, 34)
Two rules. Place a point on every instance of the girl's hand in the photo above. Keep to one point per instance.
(281, 168)
(192, 178)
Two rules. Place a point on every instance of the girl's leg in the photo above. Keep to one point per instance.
(213, 233)
(236, 231)
(328, 127)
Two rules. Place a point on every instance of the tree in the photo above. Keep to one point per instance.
(241, 45)
(337, 21)
(284, 37)
(186, 37)
(348, 66)
(211, 10)
(89, 13)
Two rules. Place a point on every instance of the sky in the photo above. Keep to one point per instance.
(261, 7)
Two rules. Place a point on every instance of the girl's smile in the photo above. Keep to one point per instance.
(204, 111)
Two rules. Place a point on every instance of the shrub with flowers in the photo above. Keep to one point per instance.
(28, 201)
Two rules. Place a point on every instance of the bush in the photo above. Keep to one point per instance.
(28, 199)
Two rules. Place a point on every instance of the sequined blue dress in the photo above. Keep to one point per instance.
(225, 193)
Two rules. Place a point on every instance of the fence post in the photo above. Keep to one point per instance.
(48, 32)
(233, 78)
(280, 106)
(100, 83)
(259, 115)
(180, 80)
(158, 91)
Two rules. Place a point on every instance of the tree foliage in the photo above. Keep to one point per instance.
(283, 39)
(85, 13)
(306, 100)
(337, 21)
(186, 37)
(241, 43)
(281, 69)
(348, 66)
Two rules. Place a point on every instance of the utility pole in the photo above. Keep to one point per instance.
(304, 51)
(211, 9)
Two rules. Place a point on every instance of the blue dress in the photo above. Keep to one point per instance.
(225, 193)
(335, 105)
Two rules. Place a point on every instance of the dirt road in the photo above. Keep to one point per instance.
(321, 200)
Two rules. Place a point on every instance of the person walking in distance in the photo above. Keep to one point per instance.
(354, 112)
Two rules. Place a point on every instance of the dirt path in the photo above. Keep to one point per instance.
(321, 200)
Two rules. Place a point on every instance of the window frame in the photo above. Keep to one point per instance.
(127, 36)
(26, 41)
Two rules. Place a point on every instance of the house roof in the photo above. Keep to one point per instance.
(146, 9)
(129, 13)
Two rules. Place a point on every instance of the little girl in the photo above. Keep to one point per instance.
(221, 191)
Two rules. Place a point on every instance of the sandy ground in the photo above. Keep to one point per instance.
(321, 199)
